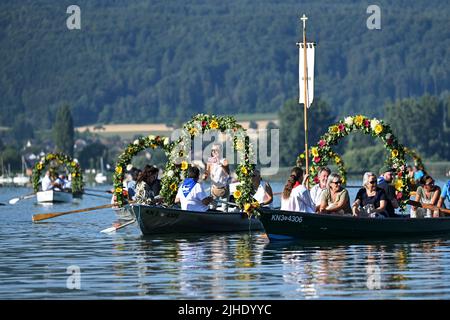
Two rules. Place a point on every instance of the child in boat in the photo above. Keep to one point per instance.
(191, 194)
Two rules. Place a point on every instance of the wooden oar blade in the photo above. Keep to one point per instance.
(115, 228)
(44, 216)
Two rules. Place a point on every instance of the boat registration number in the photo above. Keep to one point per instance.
(282, 217)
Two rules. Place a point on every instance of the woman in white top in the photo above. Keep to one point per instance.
(296, 196)
(191, 194)
(263, 190)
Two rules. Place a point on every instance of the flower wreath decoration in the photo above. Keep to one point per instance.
(127, 155)
(58, 159)
(376, 128)
(337, 159)
(178, 159)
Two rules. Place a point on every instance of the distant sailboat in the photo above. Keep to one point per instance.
(21, 178)
(5, 178)
(100, 177)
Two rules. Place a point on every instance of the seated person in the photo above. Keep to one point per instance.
(444, 195)
(191, 194)
(297, 198)
(318, 190)
(370, 200)
(335, 198)
(147, 185)
(263, 190)
(427, 193)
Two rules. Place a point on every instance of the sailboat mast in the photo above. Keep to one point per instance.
(305, 86)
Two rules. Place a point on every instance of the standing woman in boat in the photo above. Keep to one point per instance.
(335, 198)
(296, 196)
(263, 190)
(427, 193)
(370, 199)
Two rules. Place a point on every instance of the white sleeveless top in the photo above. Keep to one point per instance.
(219, 177)
(260, 194)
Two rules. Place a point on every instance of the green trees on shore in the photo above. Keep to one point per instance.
(63, 131)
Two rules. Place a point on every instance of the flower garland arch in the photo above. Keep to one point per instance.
(415, 156)
(377, 129)
(127, 155)
(337, 159)
(178, 160)
(58, 159)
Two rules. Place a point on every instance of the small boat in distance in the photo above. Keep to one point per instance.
(51, 196)
(287, 225)
(162, 220)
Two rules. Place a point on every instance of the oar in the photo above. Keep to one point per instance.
(2, 204)
(44, 216)
(107, 191)
(27, 196)
(117, 227)
(96, 195)
(226, 202)
(428, 206)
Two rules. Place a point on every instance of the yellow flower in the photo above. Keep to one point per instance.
(398, 185)
(255, 204)
(74, 175)
(184, 165)
(73, 164)
(244, 170)
(394, 153)
(173, 186)
(337, 160)
(240, 145)
(118, 190)
(378, 128)
(314, 152)
(153, 146)
(119, 169)
(237, 194)
(193, 131)
(39, 166)
(359, 120)
(214, 124)
(302, 156)
(334, 129)
(247, 207)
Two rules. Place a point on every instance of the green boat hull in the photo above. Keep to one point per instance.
(286, 225)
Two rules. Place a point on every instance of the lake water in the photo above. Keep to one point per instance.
(68, 258)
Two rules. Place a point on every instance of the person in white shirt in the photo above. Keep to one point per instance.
(191, 194)
(46, 182)
(296, 196)
(318, 190)
(263, 190)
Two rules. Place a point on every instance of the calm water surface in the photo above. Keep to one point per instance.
(34, 261)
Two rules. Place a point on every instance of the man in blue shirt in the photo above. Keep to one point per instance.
(444, 195)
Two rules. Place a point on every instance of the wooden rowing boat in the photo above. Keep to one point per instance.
(286, 225)
(51, 196)
(162, 220)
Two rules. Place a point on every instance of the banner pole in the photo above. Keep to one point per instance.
(305, 86)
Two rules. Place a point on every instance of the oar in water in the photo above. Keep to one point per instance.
(116, 227)
(44, 216)
(428, 206)
(2, 204)
(27, 196)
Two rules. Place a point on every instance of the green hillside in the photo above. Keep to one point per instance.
(161, 61)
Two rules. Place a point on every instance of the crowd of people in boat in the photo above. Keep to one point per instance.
(376, 198)
(57, 182)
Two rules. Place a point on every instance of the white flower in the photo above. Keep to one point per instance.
(388, 136)
(151, 137)
(136, 142)
(170, 173)
(129, 167)
(374, 123)
(348, 121)
(166, 141)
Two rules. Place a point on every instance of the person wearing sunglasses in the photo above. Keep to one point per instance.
(370, 200)
(335, 198)
(427, 193)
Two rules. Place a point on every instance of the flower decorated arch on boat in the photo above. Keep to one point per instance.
(415, 156)
(54, 160)
(377, 129)
(331, 156)
(124, 160)
(179, 158)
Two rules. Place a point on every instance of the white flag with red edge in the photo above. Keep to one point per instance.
(310, 72)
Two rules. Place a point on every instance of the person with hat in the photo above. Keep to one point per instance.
(385, 182)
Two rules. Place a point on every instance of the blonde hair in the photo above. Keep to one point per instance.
(367, 176)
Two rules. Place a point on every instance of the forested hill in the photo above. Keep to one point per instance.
(145, 61)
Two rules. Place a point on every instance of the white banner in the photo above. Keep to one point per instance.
(310, 72)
